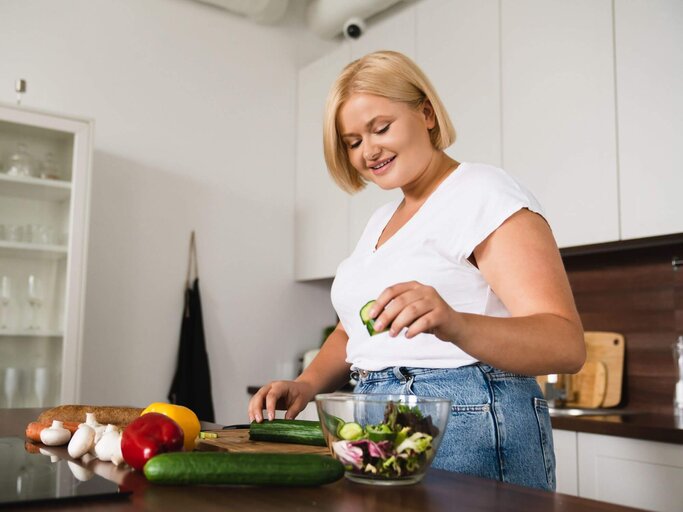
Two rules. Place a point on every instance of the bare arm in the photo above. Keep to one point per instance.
(327, 372)
(521, 263)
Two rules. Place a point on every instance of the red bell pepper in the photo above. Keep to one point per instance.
(149, 435)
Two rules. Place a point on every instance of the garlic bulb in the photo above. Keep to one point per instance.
(108, 444)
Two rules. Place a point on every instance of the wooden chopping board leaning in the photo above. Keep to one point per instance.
(599, 382)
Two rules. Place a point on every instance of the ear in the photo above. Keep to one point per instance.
(429, 115)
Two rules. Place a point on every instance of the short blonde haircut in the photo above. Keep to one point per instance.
(391, 75)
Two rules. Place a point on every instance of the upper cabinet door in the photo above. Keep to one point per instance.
(458, 47)
(321, 207)
(649, 51)
(395, 33)
(559, 113)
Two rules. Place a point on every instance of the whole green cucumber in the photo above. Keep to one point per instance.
(288, 431)
(206, 468)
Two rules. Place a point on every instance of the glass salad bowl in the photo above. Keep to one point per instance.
(383, 439)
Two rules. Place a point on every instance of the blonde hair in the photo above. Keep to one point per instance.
(390, 75)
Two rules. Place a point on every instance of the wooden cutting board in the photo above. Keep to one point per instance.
(608, 347)
(599, 382)
(589, 386)
(237, 440)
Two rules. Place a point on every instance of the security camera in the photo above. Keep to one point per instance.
(354, 28)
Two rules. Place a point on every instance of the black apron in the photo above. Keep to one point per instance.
(191, 384)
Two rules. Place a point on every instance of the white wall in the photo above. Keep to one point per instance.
(195, 112)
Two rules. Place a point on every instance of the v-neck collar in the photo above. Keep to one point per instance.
(407, 224)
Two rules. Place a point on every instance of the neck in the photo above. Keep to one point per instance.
(438, 168)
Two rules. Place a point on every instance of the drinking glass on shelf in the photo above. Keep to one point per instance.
(41, 384)
(5, 298)
(35, 300)
(14, 233)
(11, 386)
(50, 170)
(20, 163)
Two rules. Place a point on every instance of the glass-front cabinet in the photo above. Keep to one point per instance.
(45, 162)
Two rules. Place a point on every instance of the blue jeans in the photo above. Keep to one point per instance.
(499, 426)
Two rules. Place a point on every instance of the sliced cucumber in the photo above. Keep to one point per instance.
(350, 431)
(379, 433)
(367, 321)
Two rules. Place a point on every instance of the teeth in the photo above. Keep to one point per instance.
(382, 164)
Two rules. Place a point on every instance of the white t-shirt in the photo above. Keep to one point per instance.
(431, 248)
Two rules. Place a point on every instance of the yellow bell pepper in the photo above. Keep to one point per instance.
(183, 416)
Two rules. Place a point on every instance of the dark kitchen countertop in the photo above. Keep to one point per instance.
(645, 426)
(440, 490)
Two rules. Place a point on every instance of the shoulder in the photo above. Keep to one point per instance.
(484, 177)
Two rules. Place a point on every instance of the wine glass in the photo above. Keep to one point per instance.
(5, 297)
(35, 300)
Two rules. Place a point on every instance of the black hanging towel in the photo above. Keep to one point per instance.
(191, 385)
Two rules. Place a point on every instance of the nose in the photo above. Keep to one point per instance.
(372, 153)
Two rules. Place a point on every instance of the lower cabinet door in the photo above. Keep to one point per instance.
(566, 461)
(631, 472)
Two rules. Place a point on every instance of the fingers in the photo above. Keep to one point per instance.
(297, 406)
(277, 395)
(267, 397)
(390, 294)
(412, 306)
(411, 316)
(398, 299)
(255, 408)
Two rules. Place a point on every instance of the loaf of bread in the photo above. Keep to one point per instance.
(104, 414)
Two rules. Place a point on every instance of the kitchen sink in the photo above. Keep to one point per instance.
(563, 412)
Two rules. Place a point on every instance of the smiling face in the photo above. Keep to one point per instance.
(387, 142)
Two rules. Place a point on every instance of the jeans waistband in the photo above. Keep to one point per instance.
(399, 372)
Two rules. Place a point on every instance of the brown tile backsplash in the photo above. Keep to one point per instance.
(637, 292)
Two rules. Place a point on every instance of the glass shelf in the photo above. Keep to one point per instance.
(31, 334)
(26, 250)
(34, 188)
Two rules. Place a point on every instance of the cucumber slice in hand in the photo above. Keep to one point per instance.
(367, 321)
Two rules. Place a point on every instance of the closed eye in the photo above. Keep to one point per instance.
(353, 145)
(385, 129)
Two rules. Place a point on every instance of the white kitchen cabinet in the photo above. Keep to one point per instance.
(558, 113)
(329, 221)
(43, 240)
(322, 208)
(566, 461)
(631, 472)
(458, 47)
(395, 33)
(649, 70)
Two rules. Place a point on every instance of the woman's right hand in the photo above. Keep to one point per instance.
(290, 395)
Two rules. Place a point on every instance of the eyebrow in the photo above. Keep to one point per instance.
(367, 125)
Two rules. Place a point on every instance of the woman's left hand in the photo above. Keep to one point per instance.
(415, 306)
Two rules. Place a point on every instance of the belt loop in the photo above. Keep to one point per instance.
(400, 373)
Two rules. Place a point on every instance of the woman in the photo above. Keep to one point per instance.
(466, 274)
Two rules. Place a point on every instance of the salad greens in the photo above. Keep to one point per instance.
(399, 446)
